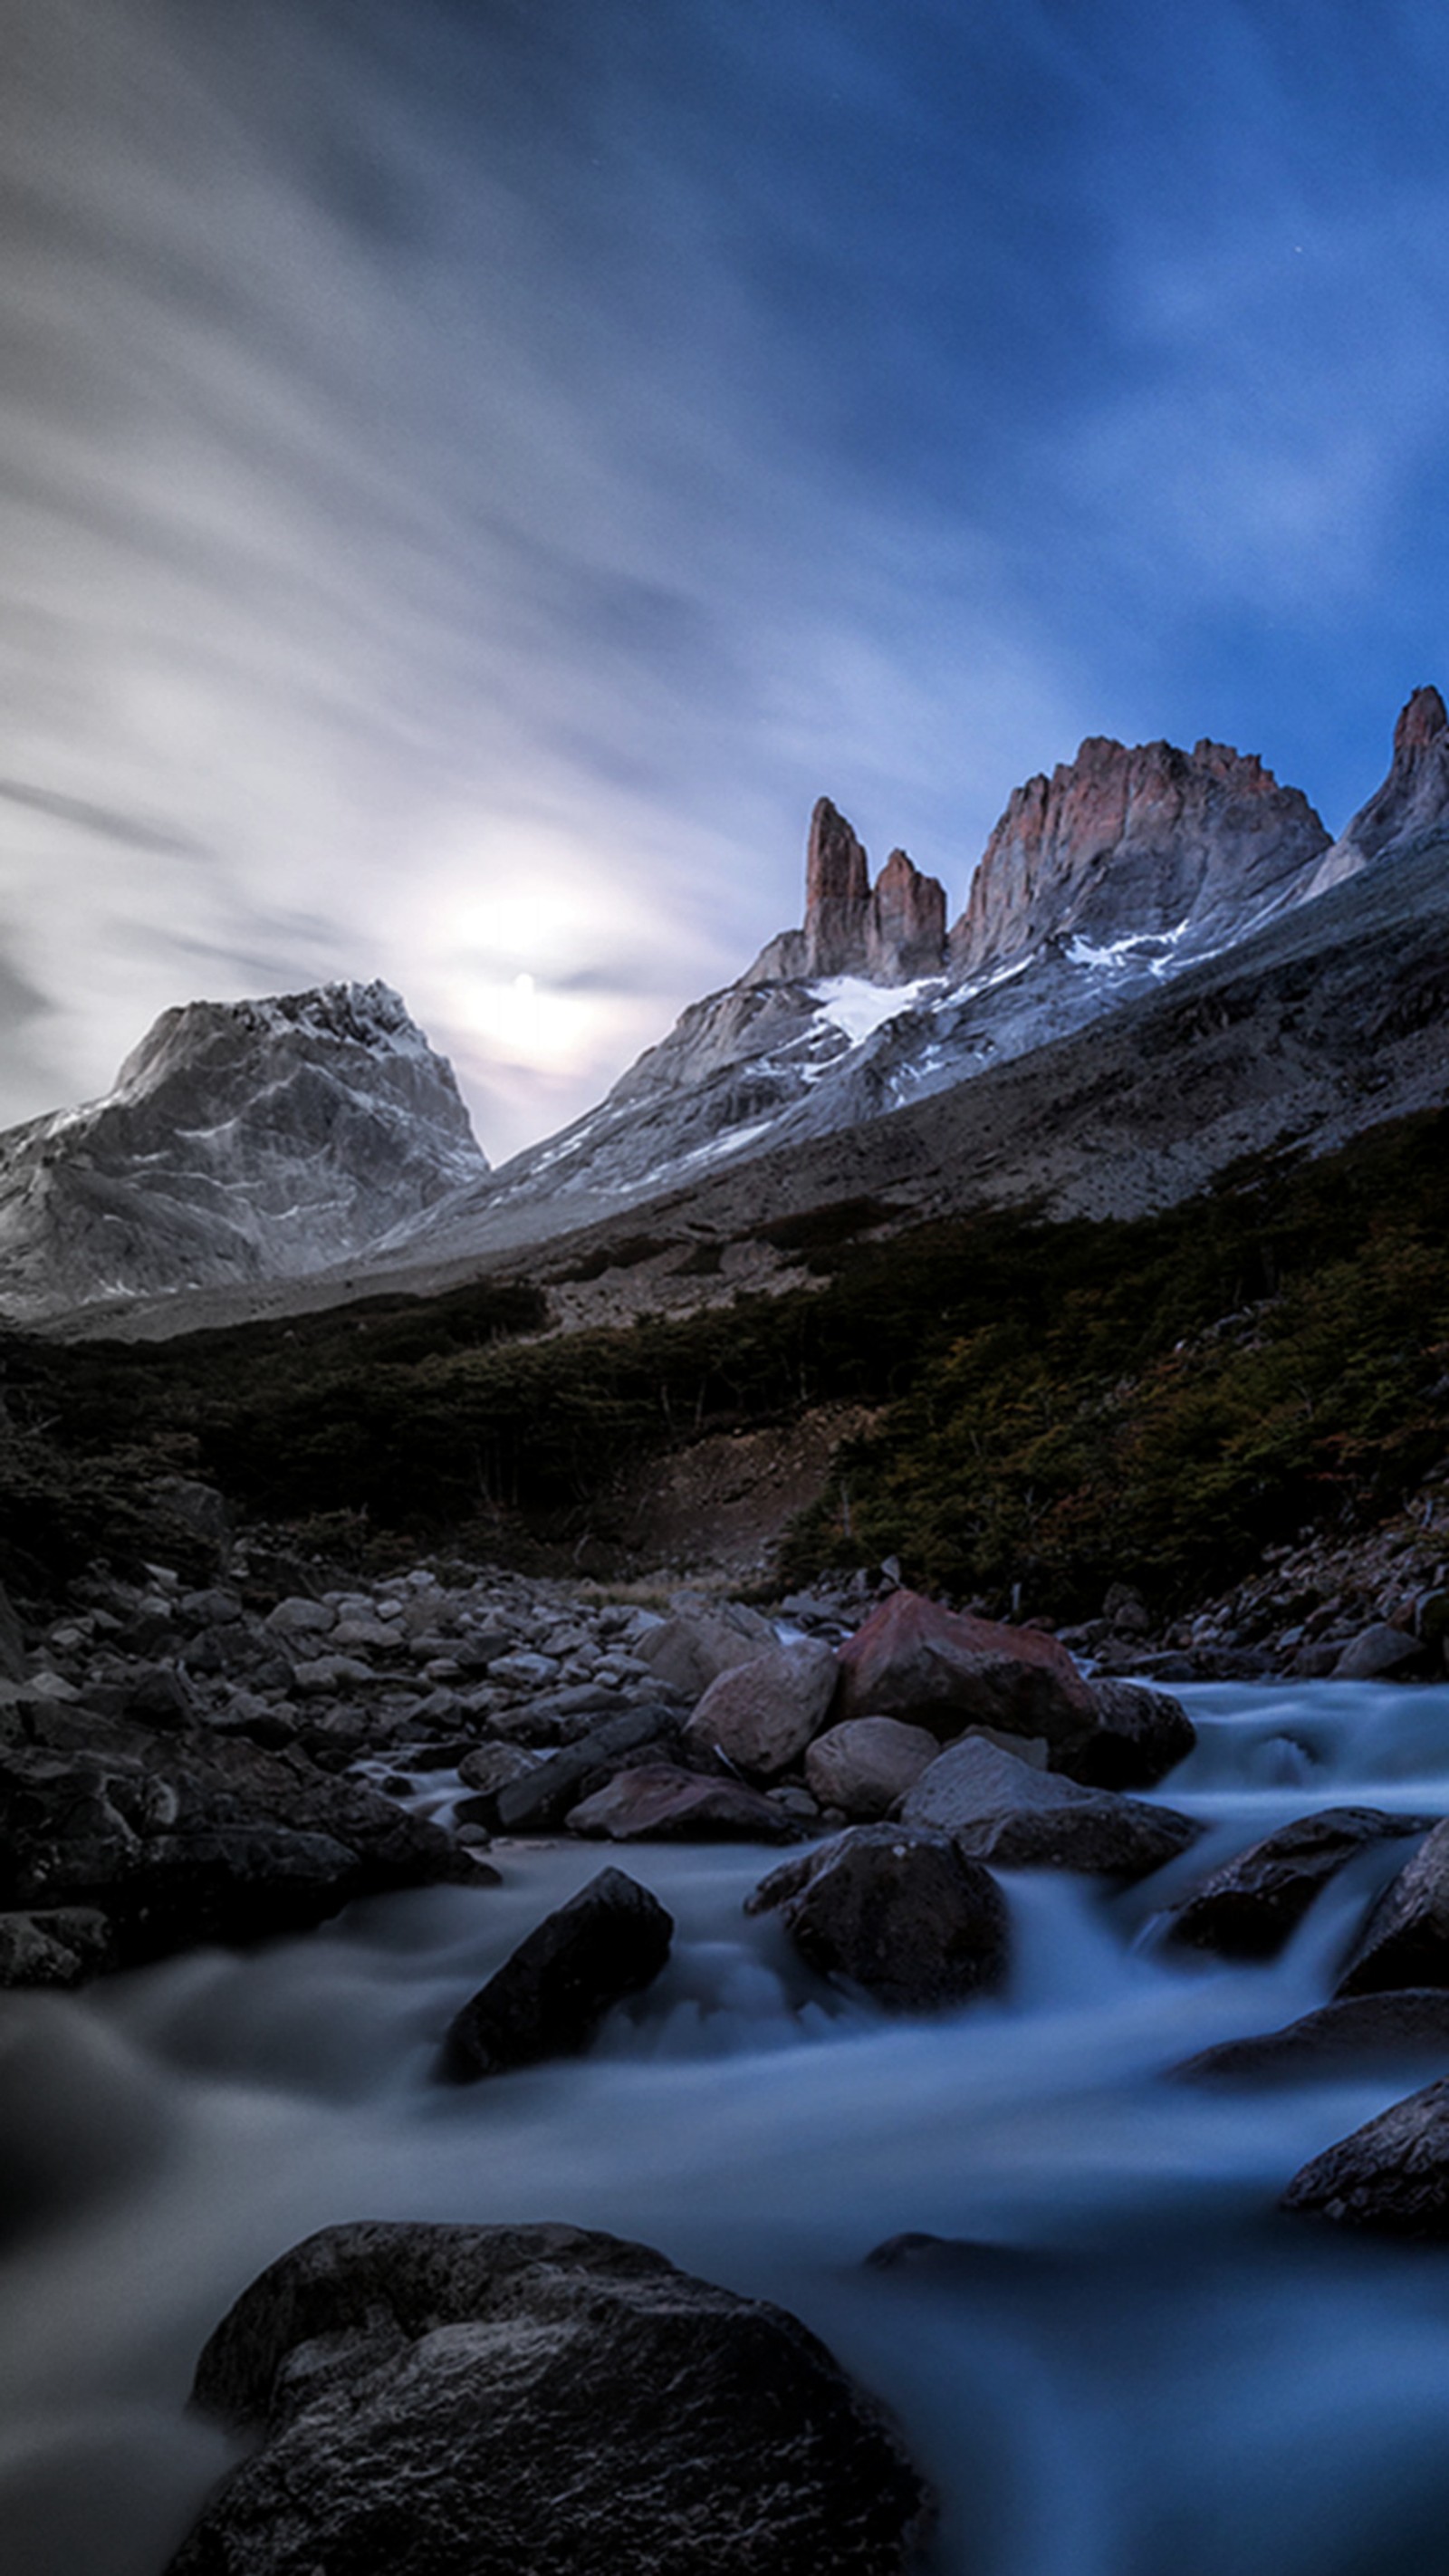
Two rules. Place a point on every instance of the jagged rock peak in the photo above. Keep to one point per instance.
(371, 1015)
(1147, 842)
(891, 933)
(1413, 798)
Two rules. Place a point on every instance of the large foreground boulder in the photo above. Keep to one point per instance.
(550, 1995)
(946, 1670)
(536, 2401)
(762, 1713)
(997, 1808)
(897, 1911)
(1405, 1941)
(1392, 2175)
(1247, 1909)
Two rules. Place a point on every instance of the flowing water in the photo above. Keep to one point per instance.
(1125, 2363)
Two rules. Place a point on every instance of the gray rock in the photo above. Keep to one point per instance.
(1140, 1736)
(1392, 2175)
(440, 2400)
(297, 1617)
(13, 1663)
(999, 1809)
(866, 1765)
(1378, 1651)
(761, 1714)
(549, 1997)
(657, 1802)
(541, 1796)
(1359, 2030)
(1247, 1909)
(1405, 1941)
(58, 1946)
(897, 1911)
(702, 1639)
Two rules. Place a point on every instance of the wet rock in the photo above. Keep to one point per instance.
(1140, 1735)
(761, 1714)
(896, 1910)
(542, 1795)
(997, 1808)
(945, 1670)
(487, 1769)
(1247, 1909)
(58, 1946)
(549, 1997)
(1359, 2030)
(867, 1765)
(438, 2400)
(1378, 1652)
(702, 1639)
(657, 1802)
(1392, 2175)
(1405, 1941)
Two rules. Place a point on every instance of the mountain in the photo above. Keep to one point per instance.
(242, 1141)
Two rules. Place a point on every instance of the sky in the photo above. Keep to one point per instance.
(472, 473)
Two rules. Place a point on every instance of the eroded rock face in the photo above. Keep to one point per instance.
(890, 933)
(443, 2399)
(896, 1909)
(1137, 843)
(998, 1809)
(947, 1670)
(550, 1995)
(1413, 798)
(1392, 2175)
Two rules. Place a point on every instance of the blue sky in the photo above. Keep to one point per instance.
(474, 471)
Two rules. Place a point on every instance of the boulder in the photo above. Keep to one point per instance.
(1392, 2175)
(1378, 1651)
(658, 1802)
(1247, 1909)
(437, 2400)
(1360, 2030)
(701, 1639)
(55, 1946)
(946, 1669)
(897, 1911)
(541, 1796)
(761, 1714)
(1405, 1941)
(866, 1765)
(1139, 1736)
(997, 1808)
(550, 1995)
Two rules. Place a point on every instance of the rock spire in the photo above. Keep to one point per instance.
(891, 932)
(1413, 798)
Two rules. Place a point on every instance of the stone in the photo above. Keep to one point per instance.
(437, 2400)
(761, 1714)
(898, 1912)
(837, 894)
(55, 1946)
(1140, 1736)
(1378, 1651)
(701, 1639)
(488, 1768)
(541, 1795)
(999, 1809)
(551, 1994)
(1405, 1941)
(13, 1663)
(1248, 1908)
(298, 1617)
(1358, 2031)
(657, 1802)
(1391, 2176)
(866, 1765)
(946, 1669)
(523, 1671)
(1414, 797)
(905, 924)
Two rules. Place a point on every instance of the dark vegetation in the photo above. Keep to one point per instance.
(1055, 1406)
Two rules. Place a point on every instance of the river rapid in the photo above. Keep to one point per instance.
(1126, 2363)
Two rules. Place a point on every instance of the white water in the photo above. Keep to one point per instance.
(1155, 2374)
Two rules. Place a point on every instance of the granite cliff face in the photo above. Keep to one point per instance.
(889, 933)
(1413, 799)
(242, 1140)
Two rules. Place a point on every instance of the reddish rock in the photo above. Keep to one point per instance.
(1134, 842)
(947, 1670)
(656, 1803)
(763, 1713)
(905, 927)
(837, 894)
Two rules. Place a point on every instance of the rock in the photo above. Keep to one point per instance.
(1378, 1651)
(523, 1671)
(13, 1664)
(945, 1670)
(660, 1803)
(1140, 1736)
(997, 1808)
(488, 1768)
(762, 1714)
(1392, 2175)
(1405, 1941)
(441, 2400)
(866, 1765)
(57, 1946)
(702, 1639)
(905, 924)
(1414, 797)
(1357, 2031)
(549, 1997)
(898, 1911)
(1247, 1909)
(297, 1617)
(541, 1796)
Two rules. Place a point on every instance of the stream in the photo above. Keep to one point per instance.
(1126, 2362)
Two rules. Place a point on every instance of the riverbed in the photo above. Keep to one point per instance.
(1118, 2358)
